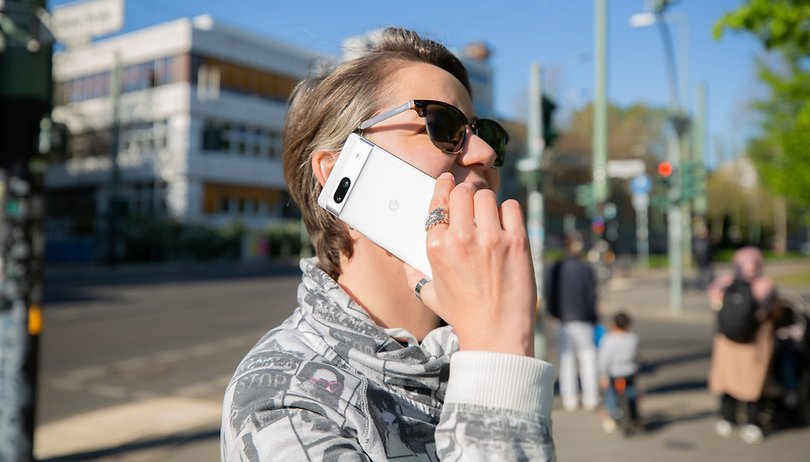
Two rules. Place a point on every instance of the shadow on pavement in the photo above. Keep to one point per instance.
(657, 421)
(166, 441)
(686, 385)
(77, 284)
(650, 366)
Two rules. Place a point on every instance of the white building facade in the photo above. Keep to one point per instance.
(198, 125)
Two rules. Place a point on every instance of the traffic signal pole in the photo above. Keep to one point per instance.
(25, 98)
(680, 127)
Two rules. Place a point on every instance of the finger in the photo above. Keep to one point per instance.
(486, 210)
(441, 192)
(512, 216)
(461, 208)
(428, 291)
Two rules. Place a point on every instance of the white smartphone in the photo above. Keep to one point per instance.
(383, 197)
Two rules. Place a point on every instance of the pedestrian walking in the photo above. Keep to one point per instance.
(743, 344)
(618, 365)
(377, 362)
(571, 298)
(702, 251)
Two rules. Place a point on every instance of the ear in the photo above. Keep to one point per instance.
(322, 163)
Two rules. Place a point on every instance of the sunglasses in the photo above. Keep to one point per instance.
(447, 126)
(328, 385)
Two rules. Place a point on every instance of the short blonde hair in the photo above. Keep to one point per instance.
(324, 109)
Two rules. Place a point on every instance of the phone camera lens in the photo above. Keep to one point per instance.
(343, 187)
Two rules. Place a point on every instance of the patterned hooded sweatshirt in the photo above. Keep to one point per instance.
(330, 384)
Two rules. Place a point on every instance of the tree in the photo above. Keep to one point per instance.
(635, 132)
(776, 23)
(780, 152)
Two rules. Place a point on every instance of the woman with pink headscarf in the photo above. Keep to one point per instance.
(739, 370)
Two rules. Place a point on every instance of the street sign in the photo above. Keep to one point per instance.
(626, 168)
(640, 184)
(77, 23)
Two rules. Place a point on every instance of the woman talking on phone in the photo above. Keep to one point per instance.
(378, 362)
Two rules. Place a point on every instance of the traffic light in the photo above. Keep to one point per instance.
(688, 185)
(667, 174)
(692, 179)
(665, 169)
(548, 107)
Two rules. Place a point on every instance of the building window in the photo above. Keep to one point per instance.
(211, 136)
(245, 79)
(248, 140)
(134, 77)
(136, 137)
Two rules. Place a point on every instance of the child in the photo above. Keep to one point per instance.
(618, 365)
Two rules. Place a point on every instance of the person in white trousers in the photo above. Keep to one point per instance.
(577, 348)
(571, 298)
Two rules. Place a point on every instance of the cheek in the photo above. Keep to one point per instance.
(435, 162)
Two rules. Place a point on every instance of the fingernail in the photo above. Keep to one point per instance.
(445, 176)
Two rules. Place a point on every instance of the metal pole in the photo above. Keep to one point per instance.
(700, 204)
(686, 204)
(641, 202)
(679, 129)
(686, 141)
(674, 229)
(600, 154)
(535, 219)
(115, 172)
(644, 240)
(25, 98)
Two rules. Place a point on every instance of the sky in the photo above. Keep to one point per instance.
(559, 34)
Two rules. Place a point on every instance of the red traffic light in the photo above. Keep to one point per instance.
(665, 169)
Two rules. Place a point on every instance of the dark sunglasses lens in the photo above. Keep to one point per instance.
(445, 127)
(496, 137)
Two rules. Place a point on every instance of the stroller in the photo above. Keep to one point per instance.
(786, 398)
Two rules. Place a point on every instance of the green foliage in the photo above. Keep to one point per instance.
(284, 240)
(160, 240)
(775, 23)
(155, 240)
(781, 153)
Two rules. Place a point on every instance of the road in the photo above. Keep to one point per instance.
(113, 338)
(134, 364)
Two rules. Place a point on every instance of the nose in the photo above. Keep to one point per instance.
(475, 153)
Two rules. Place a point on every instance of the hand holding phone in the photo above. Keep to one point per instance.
(483, 281)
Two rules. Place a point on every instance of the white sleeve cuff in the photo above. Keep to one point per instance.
(501, 380)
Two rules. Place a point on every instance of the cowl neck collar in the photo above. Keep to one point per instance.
(417, 370)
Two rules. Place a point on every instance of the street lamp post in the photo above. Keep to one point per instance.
(680, 128)
(600, 154)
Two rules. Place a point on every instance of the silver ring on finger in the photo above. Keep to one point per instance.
(418, 289)
(437, 216)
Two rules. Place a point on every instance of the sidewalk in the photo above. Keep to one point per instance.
(676, 407)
